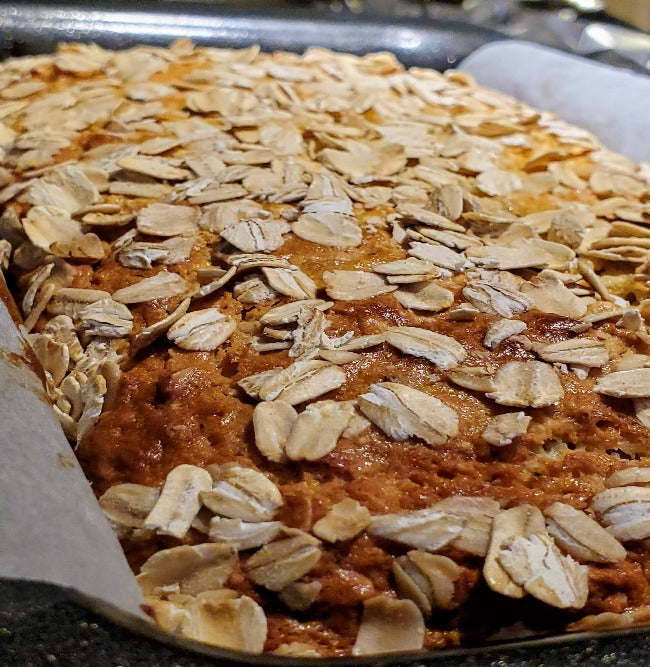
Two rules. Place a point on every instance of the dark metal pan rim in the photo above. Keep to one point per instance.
(27, 28)
(143, 628)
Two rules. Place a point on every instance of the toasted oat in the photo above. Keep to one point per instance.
(548, 294)
(5, 254)
(300, 595)
(378, 158)
(441, 350)
(289, 312)
(253, 236)
(65, 188)
(81, 58)
(521, 521)
(363, 342)
(503, 429)
(201, 330)
(589, 352)
(629, 477)
(569, 226)
(284, 561)
(272, 422)
(405, 267)
(247, 261)
(497, 294)
(427, 579)
(47, 225)
(338, 357)
(425, 296)
(253, 290)
(449, 200)
(242, 493)
(354, 285)
(454, 240)
(161, 286)
(143, 255)
(179, 500)
(293, 283)
(427, 217)
(475, 378)
(308, 334)
(389, 626)
(474, 538)
(508, 258)
(107, 318)
(97, 218)
(642, 413)
(92, 396)
(167, 220)
(582, 537)
(219, 282)
(241, 535)
(439, 255)
(402, 412)
(502, 330)
(430, 529)
(224, 618)
(158, 145)
(526, 384)
(129, 504)
(537, 564)
(609, 620)
(187, 569)
(136, 189)
(222, 193)
(317, 429)
(498, 183)
(611, 182)
(625, 511)
(153, 166)
(301, 381)
(297, 649)
(36, 282)
(328, 228)
(53, 355)
(625, 384)
(282, 138)
(345, 520)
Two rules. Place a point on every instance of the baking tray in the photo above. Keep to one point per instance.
(28, 28)
(31, 28)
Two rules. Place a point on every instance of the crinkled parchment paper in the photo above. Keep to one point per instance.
(51, 527)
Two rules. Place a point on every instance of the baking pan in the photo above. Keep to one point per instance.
(29, 28)
(37, 28)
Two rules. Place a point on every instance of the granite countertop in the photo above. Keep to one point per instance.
(40, 626)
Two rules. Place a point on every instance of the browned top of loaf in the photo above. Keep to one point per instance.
(526, 233)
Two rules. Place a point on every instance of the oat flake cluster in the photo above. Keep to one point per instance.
(346, 349)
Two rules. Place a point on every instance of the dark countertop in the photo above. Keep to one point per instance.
(40, 627)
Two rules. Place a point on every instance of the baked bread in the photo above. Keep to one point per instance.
(355, 357)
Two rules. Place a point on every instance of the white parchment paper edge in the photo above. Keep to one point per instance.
(51, 527)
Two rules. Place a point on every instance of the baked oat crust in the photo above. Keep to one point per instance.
(350, 353)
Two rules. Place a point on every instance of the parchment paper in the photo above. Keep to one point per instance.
(51, 528)
(613, 104)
